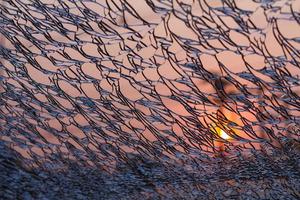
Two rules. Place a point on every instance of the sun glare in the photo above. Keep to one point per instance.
(223, 134)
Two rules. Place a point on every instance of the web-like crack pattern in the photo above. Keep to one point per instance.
(102, 82)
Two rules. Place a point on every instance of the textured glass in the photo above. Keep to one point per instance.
(162, 99)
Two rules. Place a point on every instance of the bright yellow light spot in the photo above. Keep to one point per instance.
(223, 135)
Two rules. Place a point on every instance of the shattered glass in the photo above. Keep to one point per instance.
(185, 99)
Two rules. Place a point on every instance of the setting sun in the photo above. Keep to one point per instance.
(223, 134)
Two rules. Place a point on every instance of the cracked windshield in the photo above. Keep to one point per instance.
(154, 99)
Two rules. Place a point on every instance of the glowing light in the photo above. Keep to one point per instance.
(223, 135)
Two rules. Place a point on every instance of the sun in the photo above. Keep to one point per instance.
(223, 134)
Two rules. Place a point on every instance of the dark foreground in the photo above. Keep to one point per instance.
(258, 177)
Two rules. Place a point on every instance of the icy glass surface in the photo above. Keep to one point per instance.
(183, 99)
